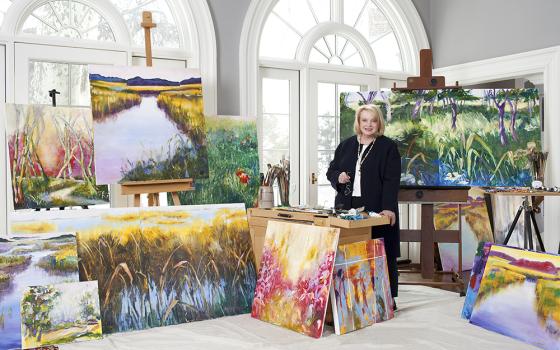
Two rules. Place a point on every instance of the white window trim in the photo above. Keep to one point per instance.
(402, 15)
(193, 19)
(527, 64)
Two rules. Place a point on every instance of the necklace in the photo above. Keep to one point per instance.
(360, 159)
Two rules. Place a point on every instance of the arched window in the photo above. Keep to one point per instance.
(297, 56)
(46, 44)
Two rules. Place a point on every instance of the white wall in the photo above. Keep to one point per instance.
(228, 19)
(464, 31)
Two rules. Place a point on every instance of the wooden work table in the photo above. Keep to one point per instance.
(350, 230)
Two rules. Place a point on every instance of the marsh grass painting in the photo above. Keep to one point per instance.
(233, 161)
(519, 296)
(60, 313)
(51, 157)
(149, 124)
(28, 259)
(360, 294)
(295, 276)
(473, 137)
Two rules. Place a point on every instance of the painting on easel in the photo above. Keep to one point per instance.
(51, 157)
(149, 124)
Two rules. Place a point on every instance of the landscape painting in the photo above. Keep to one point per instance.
(360, 294)
(518, 296)
(26, 260)
(149, 124)
(456, 137)
(475, 228)
(60, 313)
(479, 264)
(233, 161)
(160, 266)
(51, 157)
(295, 276)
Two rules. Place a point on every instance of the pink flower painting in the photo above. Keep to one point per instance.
(295, 276)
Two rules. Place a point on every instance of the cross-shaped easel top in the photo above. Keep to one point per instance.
(148, 24)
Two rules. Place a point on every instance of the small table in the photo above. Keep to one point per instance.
(350, 230)
(529, 215)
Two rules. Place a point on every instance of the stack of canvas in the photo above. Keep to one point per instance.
(518, 295)
(361, 294)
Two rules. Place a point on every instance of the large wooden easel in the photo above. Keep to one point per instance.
(154, 187)
(427, 235)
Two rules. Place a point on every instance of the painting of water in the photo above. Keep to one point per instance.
(26, 260)
(149, 124)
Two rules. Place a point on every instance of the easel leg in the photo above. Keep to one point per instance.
(537, 232)
(512, 227)
(427, 238)
(528, 231)
(137, 200)
(175, 197)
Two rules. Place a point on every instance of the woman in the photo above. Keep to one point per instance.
(366, 172)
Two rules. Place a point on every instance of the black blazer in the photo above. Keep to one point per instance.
(380, 182)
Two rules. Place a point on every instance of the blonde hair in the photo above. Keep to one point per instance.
(377, 114)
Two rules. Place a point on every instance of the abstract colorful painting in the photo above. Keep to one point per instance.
(475, 228)
(51, 157)
(233, 161)
(148, 123)
(295, 276)
(476, 276)
(161, 266)
(456, 137)
(26, 260)
(519, 296)
(360, 294)
(60, 313)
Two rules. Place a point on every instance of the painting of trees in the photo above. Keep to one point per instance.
(36, 305)
(476, 137)
(51, 157)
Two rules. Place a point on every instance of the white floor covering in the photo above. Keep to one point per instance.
(427, 318)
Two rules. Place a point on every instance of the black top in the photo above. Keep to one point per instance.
(380, 180)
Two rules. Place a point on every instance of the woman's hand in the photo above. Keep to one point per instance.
(343, 178)
(391, 215)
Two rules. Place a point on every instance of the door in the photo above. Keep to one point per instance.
(278, 124)
(323, 136)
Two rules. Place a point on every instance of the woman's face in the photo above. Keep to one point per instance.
(369, 124)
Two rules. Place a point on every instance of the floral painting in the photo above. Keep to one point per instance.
(29, 259)
(233, 162)
(51, 157)
(148, 123)
(60, 313)
(519, 296)
(456, 137)
(361, 294)
(295, 276)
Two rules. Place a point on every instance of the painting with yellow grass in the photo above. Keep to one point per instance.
(475, 228)
(361, 294)
(295, 276)
(519, 296)
(60, 313)
(149, 123)
(30, 259)
(51, 157)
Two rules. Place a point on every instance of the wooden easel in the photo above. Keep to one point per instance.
(153, 188)
(427, 235)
